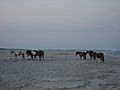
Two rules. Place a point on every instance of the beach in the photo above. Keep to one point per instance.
(60, 70)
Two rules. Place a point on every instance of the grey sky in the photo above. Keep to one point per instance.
(60, 24)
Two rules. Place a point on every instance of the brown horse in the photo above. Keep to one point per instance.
(35, 53)
(40, 54)
(82, 55)
(92, 54)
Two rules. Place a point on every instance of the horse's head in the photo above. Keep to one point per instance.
(28, 52)
(87, 51)
(77, 53)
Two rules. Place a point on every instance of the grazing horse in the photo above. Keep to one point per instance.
(35, 53)
(100, 56)
(92, 54)
(81, 54)
(11, 52)
(19, 54)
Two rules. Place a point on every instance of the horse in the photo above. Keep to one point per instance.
(100, 56)
(35, 53)
(81, 54)
(40, 54)
(11, 52)
(92, 54)
(31, 53)
(18, 54)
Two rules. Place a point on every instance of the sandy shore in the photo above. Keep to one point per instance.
(61, 70)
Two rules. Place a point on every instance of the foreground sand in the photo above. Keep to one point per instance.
(61, 70)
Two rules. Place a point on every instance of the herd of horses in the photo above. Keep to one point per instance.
(39, 53)
(93, 55)
(32, 53)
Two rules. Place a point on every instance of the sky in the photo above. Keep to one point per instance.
(60, 24)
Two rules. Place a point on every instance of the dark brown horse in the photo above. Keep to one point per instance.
(82, 55)
(92, 54)
(100, 56)
(40, 54)
(35, 53)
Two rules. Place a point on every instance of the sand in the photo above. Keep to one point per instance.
(61, 70)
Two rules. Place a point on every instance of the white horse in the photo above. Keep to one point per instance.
(19, 54)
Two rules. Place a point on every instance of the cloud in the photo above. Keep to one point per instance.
(116, 13)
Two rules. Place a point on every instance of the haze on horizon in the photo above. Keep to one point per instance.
(60, 24)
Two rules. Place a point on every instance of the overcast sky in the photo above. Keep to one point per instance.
(60, 24)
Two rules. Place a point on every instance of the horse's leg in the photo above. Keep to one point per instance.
(102, 59)
(85, 57)
(22, 57)
(91, 57)
(16, 57)
(43, 57)
(35, 57)
(94, 57)
(39, 57)
(32, 57)
(80, 57)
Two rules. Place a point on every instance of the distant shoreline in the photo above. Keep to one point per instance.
(56, 49)
(107, 52)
